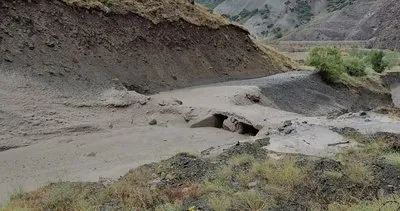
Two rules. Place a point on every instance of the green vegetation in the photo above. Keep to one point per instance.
(108, 3)
(277, 32)
(392, 158)
(329, 62)
(354, 66)
(391, 58)
(389, 203)
(334, 65)
(377, 62)
(304, 13)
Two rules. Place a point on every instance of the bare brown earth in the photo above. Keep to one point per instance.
(74, 49)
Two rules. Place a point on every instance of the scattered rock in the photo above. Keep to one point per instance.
(179, 102)
(262, 142)
(207, 151)
(195, 204)
(183, 169)
(363, 113)
(252, 184)
(336, 114)
(105, 181)
(92, 154)
(233, 125)
(50, 44)
(289, 131)
(153, 122)
(287, 123)
(8, 59)
(253, 97)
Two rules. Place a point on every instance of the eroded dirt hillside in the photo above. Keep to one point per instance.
(77, 48)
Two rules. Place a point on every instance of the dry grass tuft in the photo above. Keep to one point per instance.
(389, 203)
(158, 10)
(359, 173)
(285, 174)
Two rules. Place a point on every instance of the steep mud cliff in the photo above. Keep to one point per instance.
(82, 49)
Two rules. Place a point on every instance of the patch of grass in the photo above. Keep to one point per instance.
(391, 58)
(177, 206)
(333, 175)
(252, 200)
(390, 203)
(220, 202)
(134, 191)
(220, 182)
(284, 173)
(241, 160)
(158, 11)
(393, 158)
(60, 196)
(395, 113)
(359, 173)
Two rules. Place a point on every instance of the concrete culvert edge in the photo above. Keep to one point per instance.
(228, 123)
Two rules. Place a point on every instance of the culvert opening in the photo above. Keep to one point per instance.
(249, 129)
(227, 123)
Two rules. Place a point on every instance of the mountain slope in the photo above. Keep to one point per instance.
(272, 17)
(339, 25)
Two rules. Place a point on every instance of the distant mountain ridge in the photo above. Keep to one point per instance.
(317, 20)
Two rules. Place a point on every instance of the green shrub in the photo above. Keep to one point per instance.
(391, 58)
(356, 52)
(329, 62)
(377, 62)
(354, 66)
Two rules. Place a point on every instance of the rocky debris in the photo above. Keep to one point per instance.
(92, 154)
(289, 131)
(287, 127)
(254, 97)
(195, 204)
(183, 169)
(243, 148)
(253, 184)
(122, 98)
(249, 96)
(363, 113)
(262, 142)
(207, 151)
(287, 123)
(106, 181)
(189, 115)
(382, 110)
(233, 125)
(8, 59)
(153, 122)
(336, 114)
(170, 102)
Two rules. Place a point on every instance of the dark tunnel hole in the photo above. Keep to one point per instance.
(249, 129)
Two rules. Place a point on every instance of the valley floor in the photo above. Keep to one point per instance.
(48, 137)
